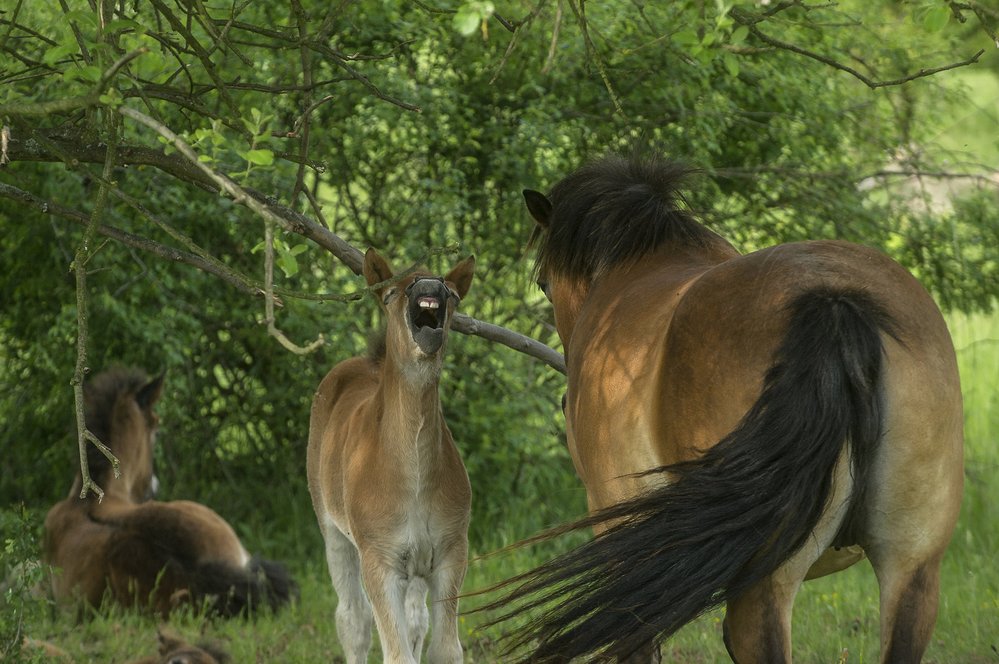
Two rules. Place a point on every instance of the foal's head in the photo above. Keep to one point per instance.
(419, 306)
(119, 410)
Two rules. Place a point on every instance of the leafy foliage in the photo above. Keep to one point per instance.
(21, 604)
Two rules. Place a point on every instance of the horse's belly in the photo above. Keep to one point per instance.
(835, 559)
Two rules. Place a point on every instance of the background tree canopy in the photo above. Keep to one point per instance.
(196, 139)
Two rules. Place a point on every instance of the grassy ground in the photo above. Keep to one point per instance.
(835, 618)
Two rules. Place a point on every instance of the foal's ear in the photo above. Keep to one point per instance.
(151, 392)
(539, 206)
(376, 269)
(461, 276)
(168, 642)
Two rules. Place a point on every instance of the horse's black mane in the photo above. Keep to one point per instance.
(614, 209)
(101, 393)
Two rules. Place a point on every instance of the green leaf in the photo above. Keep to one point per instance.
(81, 16)
(288, 265)
(111, 98)
(470, 16)
(57, 53)
(739, 35)
(259, 157)
(936, 18)
(686, 38)
(86, 73)
(121, 24)
(465, 22)
(731, 64)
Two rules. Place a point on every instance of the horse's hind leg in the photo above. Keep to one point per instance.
(757, 624)
(907, 538)
(914, 499)
(354, 620)
(909, 597)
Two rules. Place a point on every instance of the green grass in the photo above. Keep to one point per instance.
(835, 620)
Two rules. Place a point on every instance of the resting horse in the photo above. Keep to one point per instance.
(174, 650)
(143, 552)
(738, 421)
(389, 489)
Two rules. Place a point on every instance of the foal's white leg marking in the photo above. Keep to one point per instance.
(353, 611)
(445, 583)
(417, 616)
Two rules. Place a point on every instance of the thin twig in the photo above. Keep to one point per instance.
(303, 125)
(580, 13)
(550, 60)
(76, 32)
(92, 98)
(199, 52)
(207, 264)
(272, 328)
(751, 22)
(84, 253)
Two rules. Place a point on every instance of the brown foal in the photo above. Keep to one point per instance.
(388, 486)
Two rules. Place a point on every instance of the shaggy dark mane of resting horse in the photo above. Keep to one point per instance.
(139, 551)
(740, 422)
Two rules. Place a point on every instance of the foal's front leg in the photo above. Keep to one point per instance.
(445, 584)
(353, 611)
(386, 588)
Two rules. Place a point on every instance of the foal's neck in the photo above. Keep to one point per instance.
(411, 388)
(411, 409)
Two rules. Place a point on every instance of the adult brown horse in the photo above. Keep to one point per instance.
(143, 552)
(738, 421)
(388, 486)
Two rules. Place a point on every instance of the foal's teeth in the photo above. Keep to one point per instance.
(429, 303)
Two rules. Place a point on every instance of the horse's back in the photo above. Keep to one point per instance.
(188, 529)
(726, 329)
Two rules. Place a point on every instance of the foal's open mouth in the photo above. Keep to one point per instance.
(427, 311)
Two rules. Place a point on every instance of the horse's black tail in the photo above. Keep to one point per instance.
(730, 518)
(233, 591)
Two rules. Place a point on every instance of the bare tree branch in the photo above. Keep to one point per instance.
(751, 22)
